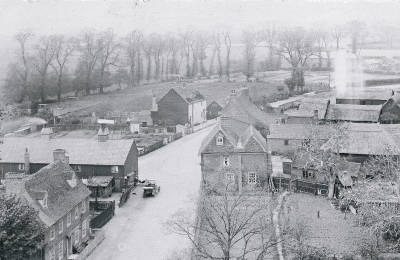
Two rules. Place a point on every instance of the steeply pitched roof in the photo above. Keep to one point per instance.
(53, 181)
(80, 151)
(238, 133)
(299, 131)
(353, 113)
(240, 107)
(188, 97)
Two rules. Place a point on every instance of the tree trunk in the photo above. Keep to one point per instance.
(219, 62)
(211, 67)
(228, 63)
(148, 74)
(59, 88)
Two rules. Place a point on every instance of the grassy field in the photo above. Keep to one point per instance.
(140, 97)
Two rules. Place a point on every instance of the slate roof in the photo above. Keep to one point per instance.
(53, 180)
(299, 131)
(237, 132)
(240, 107)
(80, 151)
(353, 113)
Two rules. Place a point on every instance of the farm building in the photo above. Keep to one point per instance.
(174, 108)
(287, 138)
(364, 97)
(213, 110)
(310, 110)
(88, 157)
(360, 141)
(235, 154)
(67, 223)
(353, 113)
(139, 120)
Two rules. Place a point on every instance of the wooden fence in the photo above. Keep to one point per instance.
(105, 216)
(281, 183)
(125, 196)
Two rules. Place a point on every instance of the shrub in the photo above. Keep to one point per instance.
(391, 229)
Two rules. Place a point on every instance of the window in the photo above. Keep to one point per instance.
(114, 169)
(252, 178)
(60, 226)
(76, 240)
(77, 168)
(286, 142)
(69, 219)
(84, 228)
(52, 233)
(76, 212)
(220, 140)
(230, 177)
(60, 250)
(21, 166)
(83, 206)
(226, 161)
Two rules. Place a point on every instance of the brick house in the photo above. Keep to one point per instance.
(62, 201)
(88, 157)
(176, 108)
(235, 153)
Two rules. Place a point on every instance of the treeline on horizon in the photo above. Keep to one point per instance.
(46, 66)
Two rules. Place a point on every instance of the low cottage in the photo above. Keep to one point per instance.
(88, 157)
(62, 201)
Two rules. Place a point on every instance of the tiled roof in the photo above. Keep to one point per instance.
(299, 131)
(307, 107)
(80, 151)
(366, 139)
(353, 113)
(238, 133)
(98, 181)
(188, 96)
(240, 107)
(52, 180)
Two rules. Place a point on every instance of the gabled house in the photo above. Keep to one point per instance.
(310, 110)
(235, 154)
(88, 157)
(176, 108)
(62, 201)
(213, 110)
(240, 107)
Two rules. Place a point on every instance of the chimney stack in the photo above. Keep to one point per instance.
(26, 161)
(103, 133)
(154, 105)
(59, 155)
(316, 114)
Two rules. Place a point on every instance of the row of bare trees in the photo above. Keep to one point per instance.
(54, 64)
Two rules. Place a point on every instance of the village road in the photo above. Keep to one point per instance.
(138, 231)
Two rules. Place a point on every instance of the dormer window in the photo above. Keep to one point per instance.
(220, 140)
(21, 167)
(114, 169)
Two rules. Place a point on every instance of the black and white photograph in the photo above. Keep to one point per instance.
(199, 129)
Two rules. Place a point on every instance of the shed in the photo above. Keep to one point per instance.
(100, 186)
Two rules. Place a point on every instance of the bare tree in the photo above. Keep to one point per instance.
(296, 46)
(158, 50)
(338, 34)
(217, 47)
(187, 42)
(357, 31)
(108, 55)
(132, 49)
(228, 226)
(250, 42)
(228, 47)
(44, 53)
(90, 50)
(23, 73)
(148, 50)
(323, 46)
(63, 51)
(270, 35)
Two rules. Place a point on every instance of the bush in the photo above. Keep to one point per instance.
(391, 229)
